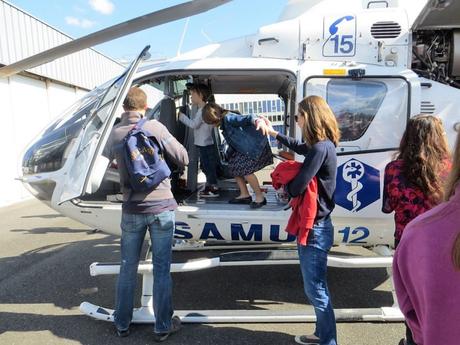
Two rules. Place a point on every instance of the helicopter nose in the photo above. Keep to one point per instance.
(44, 158)
(39, 187)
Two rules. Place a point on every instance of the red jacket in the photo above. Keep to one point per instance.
(304, 206)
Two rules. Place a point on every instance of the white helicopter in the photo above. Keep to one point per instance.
(377, 62)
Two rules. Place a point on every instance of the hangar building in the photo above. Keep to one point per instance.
(32, 99)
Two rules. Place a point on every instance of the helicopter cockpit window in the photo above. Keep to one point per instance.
(49, 152)
(371, 112)
(355, 105)
(179, 86)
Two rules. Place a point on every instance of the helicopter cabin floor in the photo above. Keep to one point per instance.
(109, 193)
(194, 199)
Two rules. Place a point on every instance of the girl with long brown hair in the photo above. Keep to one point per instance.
(250, 150)
(413, 183)
(321, 135)
(426, 268)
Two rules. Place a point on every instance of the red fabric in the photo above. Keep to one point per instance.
(404, 199)
(304, 206)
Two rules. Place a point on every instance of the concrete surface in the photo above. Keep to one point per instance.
(44, 276)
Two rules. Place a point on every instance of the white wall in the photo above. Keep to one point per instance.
(27, 106)
(23, 35)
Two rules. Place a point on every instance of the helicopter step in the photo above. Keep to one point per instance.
(145, 313)
(249, 258)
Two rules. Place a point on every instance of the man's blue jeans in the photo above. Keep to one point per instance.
(161, 229)
(313, 264)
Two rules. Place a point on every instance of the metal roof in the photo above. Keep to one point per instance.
(22, 35)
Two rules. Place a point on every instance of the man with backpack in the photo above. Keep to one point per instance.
(148, 204)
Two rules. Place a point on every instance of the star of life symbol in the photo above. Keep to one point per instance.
(358, 185)
(353, 171)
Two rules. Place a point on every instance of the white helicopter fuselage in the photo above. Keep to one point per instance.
(358, 58)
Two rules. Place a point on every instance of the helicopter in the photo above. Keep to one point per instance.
(377, 63)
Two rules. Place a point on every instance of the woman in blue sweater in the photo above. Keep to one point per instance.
(250, 150)
(321, 135)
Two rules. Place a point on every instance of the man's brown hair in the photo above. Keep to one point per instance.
(136, 99)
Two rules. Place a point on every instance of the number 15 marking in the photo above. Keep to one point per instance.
(343, 44)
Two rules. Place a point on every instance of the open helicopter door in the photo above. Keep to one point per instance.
(88, 168)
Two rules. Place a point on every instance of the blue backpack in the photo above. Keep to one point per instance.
(143, 158)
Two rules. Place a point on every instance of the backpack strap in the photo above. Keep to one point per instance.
(151, 136)
(141, 123)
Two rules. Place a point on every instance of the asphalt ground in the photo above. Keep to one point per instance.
(44, 276)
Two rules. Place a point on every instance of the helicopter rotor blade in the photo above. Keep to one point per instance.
(156, 18)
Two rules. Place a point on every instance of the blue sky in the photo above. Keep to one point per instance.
(78, 18)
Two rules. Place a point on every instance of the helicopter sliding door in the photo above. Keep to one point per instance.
(95, 134)
(372, 114)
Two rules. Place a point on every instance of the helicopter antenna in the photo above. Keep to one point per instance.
(183, 36)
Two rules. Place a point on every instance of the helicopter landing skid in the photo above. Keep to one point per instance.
(145, 313)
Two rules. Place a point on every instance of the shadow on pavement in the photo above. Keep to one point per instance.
(48, 230)
(89, 332)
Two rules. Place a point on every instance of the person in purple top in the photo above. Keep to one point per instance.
(321, 135)
(426, 268)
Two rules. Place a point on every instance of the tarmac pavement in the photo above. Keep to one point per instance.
(44, 276)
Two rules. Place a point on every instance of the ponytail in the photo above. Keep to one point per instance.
(213, 114)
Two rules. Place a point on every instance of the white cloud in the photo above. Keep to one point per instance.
(82, 23)
(79, 9)
(102, 6)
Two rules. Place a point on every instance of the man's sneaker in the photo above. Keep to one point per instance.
(123, 334)
(176, 325)
(307, 339)
(210, 192)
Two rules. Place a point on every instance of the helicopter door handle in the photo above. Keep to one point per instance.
(379, 52)
(268, 39)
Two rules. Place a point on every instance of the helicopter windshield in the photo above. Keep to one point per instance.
(50, 149)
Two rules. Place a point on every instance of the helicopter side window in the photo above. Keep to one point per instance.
(355, 105)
